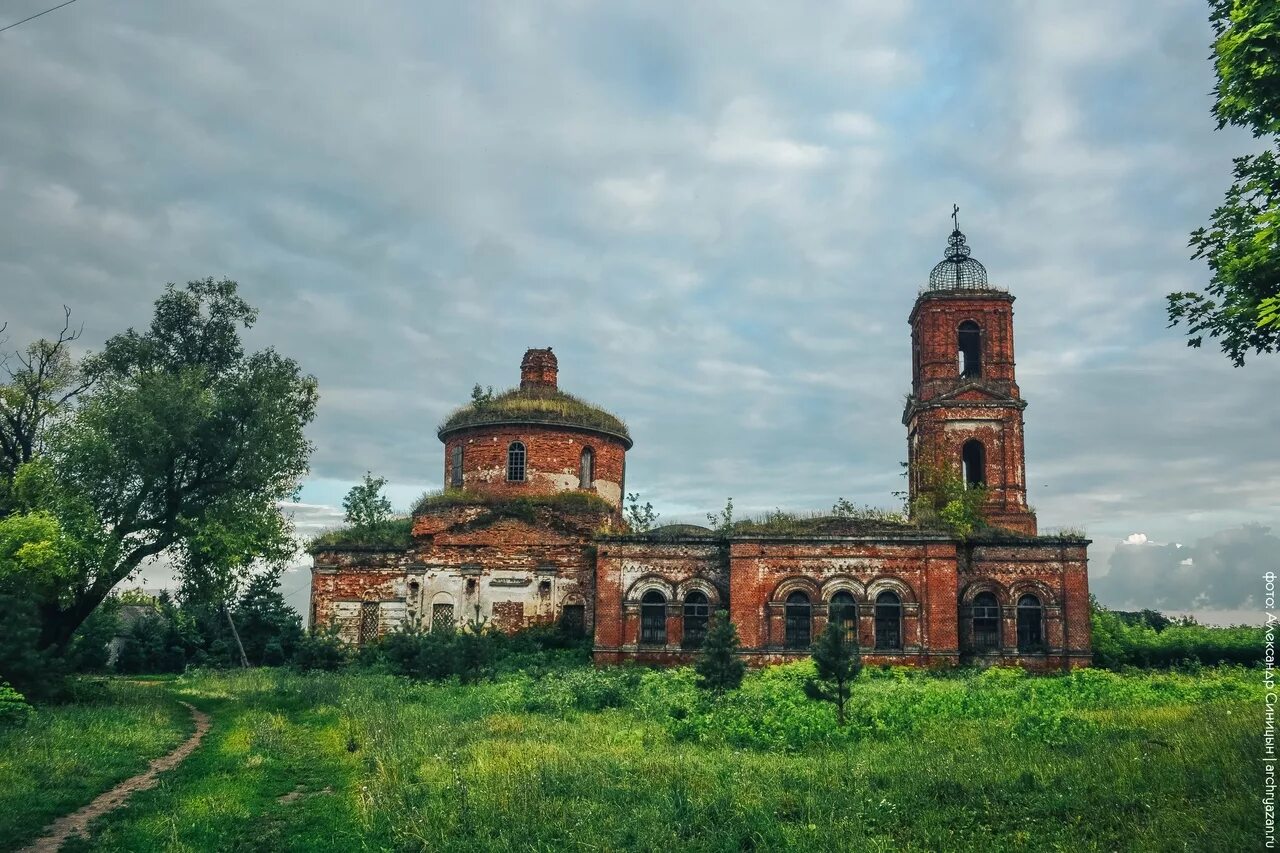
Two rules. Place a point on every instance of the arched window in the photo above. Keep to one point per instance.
(455, 467)
(587, 469)
(843, 611)
(888, 621)
(653, 619)
(696, 612)
(974, 457)
(1030, 624)
(986, 622)
(515, 462)
(798, 611)
(969, 343)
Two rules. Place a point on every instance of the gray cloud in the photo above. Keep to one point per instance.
(1223, 571)
(717, 215)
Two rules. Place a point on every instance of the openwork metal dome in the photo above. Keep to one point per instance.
(956, 270)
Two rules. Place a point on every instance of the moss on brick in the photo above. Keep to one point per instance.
(538, 405)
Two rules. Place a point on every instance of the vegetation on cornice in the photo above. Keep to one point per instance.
(541, 405)
(521, 507)
(391, 533)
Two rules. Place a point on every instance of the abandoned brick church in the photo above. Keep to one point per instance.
(529, 529)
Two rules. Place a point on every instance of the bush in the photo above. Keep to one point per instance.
(320, 649)
(14, 710)
(1155, 641)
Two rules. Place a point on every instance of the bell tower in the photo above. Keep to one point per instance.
(965, 411)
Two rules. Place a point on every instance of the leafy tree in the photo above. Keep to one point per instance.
(365, 504)
(268, 627)
(838, 663)
(944, 496)
(184, 446)
(640, 519)
(1242, 242)
(719, 667)
(43, 383)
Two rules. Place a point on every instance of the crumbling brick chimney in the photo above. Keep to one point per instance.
(538, 370)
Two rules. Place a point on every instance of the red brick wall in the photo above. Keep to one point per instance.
(626, 569)
(935, 323)
(1056, 572)
(947, 410)
(929, 572)
(920, 570)
(553, 456)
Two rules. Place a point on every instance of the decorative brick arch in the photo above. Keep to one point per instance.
(891, 584)
(976, 588)
(796, 583)
(843, 583)
(701, 585)
(650, 583)
(572, 598)
(1028, 586)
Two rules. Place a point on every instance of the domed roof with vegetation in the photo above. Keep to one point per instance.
(533, 405)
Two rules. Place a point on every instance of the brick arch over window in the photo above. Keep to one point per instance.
(701, 585)
(976, 588)
(890, 584)
(796, 583)
(843, 583)
(572, 598)
(1031, 587)
(650, 583)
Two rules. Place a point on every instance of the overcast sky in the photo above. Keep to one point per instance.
(719, 215)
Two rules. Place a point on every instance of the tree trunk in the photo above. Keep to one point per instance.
(244, 661)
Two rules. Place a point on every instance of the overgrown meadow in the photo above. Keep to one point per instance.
(567, 757)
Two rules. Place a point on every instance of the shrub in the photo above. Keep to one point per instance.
(14, 710)
(392, 533)
(719, 667)
(321, 649)
(1152, 640)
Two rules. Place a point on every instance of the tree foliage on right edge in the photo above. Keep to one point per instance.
(719, 667)
(1242, 242)
(838, 663)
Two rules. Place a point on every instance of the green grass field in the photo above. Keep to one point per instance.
(578, 759)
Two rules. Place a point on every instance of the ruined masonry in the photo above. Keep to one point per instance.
(529, 530)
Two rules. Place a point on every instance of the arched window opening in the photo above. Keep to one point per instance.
(888, 621)
(843, 611)
(653, 619)
(587, 469)
(515, 462)
(798, 628)
(1030, 624)
(573, 619)
(986, 622)
(969, 343)
(455, 467)
(697, 610)
(974, 457)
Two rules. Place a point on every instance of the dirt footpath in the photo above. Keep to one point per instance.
(76, 823)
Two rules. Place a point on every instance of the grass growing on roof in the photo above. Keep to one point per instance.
(392, 533)
(567, 501)
(536, 404)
